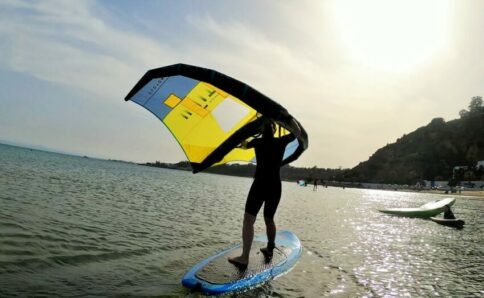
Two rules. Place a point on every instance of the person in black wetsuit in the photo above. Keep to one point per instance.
(265, 189)
(448, 214)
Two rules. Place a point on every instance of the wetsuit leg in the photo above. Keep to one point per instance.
(255, 199)
(272, 198)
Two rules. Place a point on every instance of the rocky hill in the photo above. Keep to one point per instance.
(429, 153)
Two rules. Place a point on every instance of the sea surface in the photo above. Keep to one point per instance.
(74, 226)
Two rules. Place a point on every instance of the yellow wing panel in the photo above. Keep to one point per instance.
(172, 101)
(238, 154)
(198, 131)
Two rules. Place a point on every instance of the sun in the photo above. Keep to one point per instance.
(392, 35)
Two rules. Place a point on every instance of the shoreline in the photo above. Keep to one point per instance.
(475, 194)
(472, 194)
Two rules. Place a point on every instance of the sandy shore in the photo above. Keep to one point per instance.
(477, 194)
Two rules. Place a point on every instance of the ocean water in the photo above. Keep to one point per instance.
(73, 226)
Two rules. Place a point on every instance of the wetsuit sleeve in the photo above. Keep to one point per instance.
(252, 144)
(288, 138)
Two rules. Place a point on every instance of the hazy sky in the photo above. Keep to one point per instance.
(357, 74)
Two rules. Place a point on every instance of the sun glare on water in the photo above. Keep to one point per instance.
(393, 36)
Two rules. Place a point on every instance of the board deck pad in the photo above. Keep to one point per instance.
(220, 271)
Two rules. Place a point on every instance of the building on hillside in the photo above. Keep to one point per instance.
(457, 168)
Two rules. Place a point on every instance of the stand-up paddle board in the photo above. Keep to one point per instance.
(425, 211)
(215, 275)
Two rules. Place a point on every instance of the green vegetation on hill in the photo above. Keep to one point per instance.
(429, 153)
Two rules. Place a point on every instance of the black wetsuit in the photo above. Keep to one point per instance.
(449, 215)
(267, 179)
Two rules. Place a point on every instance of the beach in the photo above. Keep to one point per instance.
(473, 194)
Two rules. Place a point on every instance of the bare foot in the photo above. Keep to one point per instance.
(239, 262)
(268, 253)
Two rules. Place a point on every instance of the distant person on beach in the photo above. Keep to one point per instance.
(265, 189)
(315, 186)
(448, 213)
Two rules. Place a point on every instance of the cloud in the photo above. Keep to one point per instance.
(66, 43)
(317, 96)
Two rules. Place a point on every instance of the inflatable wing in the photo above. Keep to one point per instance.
(210, 114)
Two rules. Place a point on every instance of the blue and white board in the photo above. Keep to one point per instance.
(215, 275)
